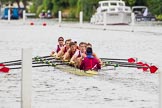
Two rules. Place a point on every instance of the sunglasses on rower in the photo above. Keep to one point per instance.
(61, 40)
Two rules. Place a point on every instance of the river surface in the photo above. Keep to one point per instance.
(52, 88)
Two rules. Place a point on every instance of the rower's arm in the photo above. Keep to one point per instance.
(82, 65)
(98, 66)
(66, 56)
(60, 53)
(74, 57)
(100, 61)
(54, 51)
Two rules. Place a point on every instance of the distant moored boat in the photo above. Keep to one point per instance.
(115, 12)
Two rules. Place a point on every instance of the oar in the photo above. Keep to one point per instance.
(45, 62)
(130, 60)
(32, 66)
(34, 62)
(123, 65)
(5, 69)
(53, 65)
(118, 62)
(21, 60)
(145, 67)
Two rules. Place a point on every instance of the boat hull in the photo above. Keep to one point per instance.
(118, 18)
(76, 71)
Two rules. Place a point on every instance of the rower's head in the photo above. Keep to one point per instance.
(89, 52)
(89, 45)
(82, 46)
(75, 42)
(73, 46)
(67, 43)
(61, 40)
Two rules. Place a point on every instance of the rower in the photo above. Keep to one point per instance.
(94, 54)
(89, 45)
(64, 49)
(90, 62)
(68, 55)
(76, 44)
(79, 54)
(58, 47)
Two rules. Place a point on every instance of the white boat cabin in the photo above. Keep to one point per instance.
(116, 12)
(112, 6)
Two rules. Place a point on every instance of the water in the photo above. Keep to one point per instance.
(51, 88)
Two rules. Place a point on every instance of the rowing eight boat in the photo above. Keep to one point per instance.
(67, 68)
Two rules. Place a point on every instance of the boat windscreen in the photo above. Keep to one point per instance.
(113, 4)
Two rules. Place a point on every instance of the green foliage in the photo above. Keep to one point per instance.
(35, 7)
(79, 8)
(159, 17)
(39, 9)
(155, 6)
(72, 3)
(141, 2)
(130, 2)
(32, 9)
(87, 6)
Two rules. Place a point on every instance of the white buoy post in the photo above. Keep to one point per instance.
(26, 84)
(9, 14)
(132, 18)
(81, 17)
(104, 20)
(24, 16)
(60, 18)
(132, 21)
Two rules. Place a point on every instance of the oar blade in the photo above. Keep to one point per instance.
(4, 70)
(145, 67)
(153, 69)
(1, 64)
(139, 64)
(131, 60)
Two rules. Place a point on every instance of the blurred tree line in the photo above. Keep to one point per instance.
(71, 8)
